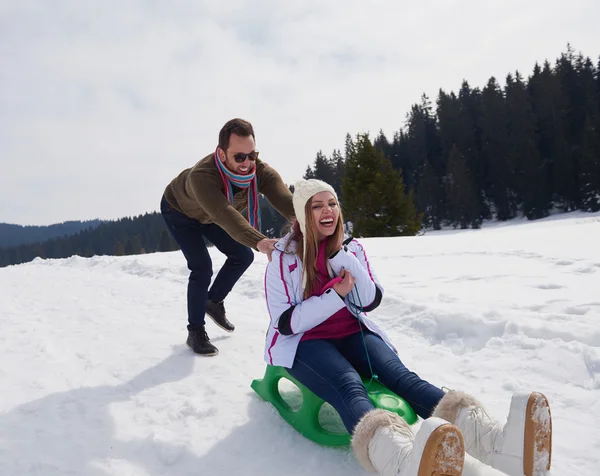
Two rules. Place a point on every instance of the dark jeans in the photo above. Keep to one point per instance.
(331, 369)
(189, 235)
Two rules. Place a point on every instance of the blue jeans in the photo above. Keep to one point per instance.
(331, 369)
(189, 235)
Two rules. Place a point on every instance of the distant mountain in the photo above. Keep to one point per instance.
(15, 235)
(126, 236)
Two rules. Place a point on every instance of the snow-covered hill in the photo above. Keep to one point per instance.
(96, 379)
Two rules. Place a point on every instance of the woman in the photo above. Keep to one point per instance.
(316, 332)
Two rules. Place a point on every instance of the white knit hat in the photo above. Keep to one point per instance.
(304, 190)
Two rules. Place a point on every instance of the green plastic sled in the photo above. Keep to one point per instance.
(306, 419)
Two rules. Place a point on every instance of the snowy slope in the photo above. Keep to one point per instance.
(96, 379)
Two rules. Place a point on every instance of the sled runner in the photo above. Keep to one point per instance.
(306, 419)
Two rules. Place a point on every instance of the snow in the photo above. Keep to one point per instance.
(96, 378)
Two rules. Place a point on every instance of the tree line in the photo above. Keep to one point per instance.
(140, 234)
(529, 147)
(126, 236)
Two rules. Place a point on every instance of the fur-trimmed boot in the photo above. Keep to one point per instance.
(384, 443)
(520, 446)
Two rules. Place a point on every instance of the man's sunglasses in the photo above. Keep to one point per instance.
(240, 157)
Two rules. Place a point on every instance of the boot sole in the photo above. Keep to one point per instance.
(219, 325)
(537, 452)
(444, 453)
(212, 354)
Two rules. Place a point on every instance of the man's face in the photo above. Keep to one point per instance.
(238, 144)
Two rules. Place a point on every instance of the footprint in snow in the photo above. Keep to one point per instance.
(549, 286)
(563, 262)
(588, 270)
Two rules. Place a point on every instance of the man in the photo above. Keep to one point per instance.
(206, 202)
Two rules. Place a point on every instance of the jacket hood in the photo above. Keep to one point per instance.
(287, 242)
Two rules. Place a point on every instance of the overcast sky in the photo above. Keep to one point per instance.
(103, 102)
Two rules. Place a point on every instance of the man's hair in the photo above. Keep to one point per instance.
(235, 126)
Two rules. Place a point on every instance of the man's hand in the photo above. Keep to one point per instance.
(267, 245)
(345, 285)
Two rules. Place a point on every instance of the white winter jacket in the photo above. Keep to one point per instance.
(283, 290)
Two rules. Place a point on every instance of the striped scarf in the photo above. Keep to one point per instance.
(241, 181)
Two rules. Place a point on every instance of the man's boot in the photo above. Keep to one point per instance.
(384, 443)
(520, 446)
(216, 311)
(199, 342)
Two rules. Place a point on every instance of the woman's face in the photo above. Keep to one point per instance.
(325, 212)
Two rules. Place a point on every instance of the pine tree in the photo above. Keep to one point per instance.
(431, 198)
(422, 142)
(119, 249)
(565, 167)
(55, 248)
(129, 247)
(337, 165)
(469, 142)
(322, 169)
(500, 190)
(547, 104)
(375, 198)
(398, 207)
(329, 170)
(383, 144)
(359, 173)
(349, 149)
(448, 114)
(462, 197)
(399, 150)
(598, 84)
(86, 251)
(523, 155)
(133, 246)
(165, 243)
(15, 255)
(590, 165)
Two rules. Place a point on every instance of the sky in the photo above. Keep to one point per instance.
(103, 103)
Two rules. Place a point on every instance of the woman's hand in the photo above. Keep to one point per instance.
(345, 285)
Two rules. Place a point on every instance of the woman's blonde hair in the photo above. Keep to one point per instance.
(334, 243)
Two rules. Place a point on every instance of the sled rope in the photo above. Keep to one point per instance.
(356, 313)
